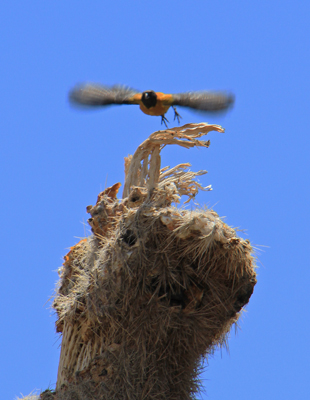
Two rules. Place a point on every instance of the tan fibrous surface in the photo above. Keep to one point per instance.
(148, 296)
(31, 396)
(143, 168)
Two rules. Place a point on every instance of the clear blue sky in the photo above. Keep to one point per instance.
(55, 160)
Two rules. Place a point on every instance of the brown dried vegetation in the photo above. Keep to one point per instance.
(144, 299)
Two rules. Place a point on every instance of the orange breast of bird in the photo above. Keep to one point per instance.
(163, 104)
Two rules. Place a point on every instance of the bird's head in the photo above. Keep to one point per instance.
(149, 98)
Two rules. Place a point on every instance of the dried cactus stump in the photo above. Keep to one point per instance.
(154, 289)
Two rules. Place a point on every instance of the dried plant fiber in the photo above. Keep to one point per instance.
(145, 298)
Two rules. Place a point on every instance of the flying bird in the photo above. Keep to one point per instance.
(150, 102)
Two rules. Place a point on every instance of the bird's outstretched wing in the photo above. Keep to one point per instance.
(97, 95)
(204, 101)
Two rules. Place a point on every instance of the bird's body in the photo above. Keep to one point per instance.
(150, 102)
(158, 107)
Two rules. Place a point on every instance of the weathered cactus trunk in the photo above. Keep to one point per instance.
(154, 289)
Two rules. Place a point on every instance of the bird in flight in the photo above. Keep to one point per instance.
(150, 102)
